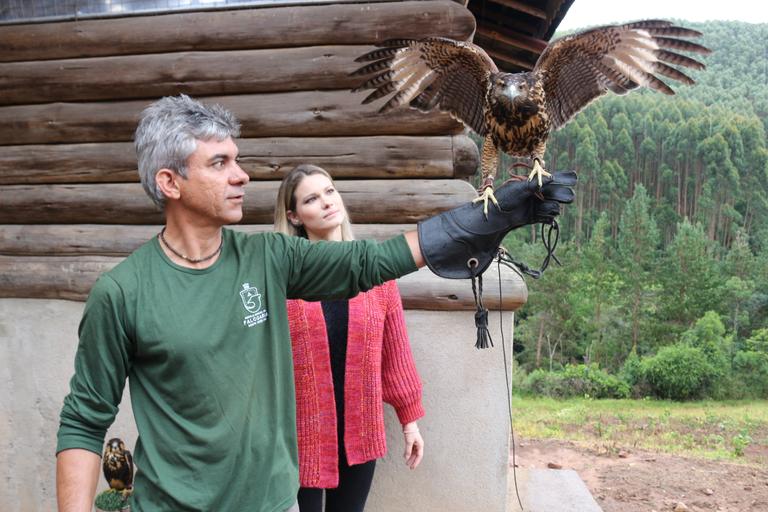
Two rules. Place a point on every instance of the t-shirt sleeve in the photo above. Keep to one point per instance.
(102, 363)
(336, 270)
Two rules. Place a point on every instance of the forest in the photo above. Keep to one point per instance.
(663, 288)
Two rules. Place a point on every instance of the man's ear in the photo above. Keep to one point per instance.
(168, 182)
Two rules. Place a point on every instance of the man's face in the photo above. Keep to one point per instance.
(214, 188)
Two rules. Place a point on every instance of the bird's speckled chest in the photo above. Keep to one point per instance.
(521, 130)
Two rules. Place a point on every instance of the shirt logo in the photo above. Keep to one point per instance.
(252, 303)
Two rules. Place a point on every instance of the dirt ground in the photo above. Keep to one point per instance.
(637, 481)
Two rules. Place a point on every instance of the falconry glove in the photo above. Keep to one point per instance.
(461, 243)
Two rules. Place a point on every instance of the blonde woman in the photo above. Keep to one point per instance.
(349, 356)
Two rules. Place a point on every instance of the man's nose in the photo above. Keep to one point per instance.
(240, 176)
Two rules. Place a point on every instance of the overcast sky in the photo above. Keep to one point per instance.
(601, 12)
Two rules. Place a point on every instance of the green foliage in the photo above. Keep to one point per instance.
(111, 500)
(678, 372)
(751, 373)
(708, 335)
(740, 442)
(576, 381)
(758, 342)
(667, 240)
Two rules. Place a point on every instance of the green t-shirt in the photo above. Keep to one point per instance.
(207, 355)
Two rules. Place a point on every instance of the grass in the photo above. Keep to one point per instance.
(733, 430)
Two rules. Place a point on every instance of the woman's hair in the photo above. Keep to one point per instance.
(168, 132)
(286, 201)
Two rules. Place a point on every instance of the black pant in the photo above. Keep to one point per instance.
(349, 496)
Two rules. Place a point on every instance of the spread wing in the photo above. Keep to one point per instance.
(579, 68)
(434, 72)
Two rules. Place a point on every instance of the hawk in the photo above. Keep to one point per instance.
(516, 112)
(117, 464)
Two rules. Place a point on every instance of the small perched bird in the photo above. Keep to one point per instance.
(516, 112)
(117, 464)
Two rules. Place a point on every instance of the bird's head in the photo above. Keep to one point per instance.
(510, 85)
(513, 95)
(511, 88)
(114, 451)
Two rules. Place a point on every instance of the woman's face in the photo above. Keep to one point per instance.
(319, 208)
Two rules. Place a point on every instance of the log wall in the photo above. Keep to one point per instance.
(71, 94)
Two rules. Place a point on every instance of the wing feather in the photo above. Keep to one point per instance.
(430, 73)
(579, 68)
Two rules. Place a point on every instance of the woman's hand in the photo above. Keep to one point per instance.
(414, 445)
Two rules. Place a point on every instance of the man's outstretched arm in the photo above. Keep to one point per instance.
(412, 237)
(77, 472)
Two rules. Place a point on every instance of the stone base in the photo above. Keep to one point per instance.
(551, 490)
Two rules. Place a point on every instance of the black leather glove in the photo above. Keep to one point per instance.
(461, 243)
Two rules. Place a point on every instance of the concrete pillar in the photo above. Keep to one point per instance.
(466, 425)
(38, 340)
(465, 430)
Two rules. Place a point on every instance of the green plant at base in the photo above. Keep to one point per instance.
(111, 500)
(740, 442)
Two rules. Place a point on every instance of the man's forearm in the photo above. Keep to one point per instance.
(77, 472)
(412, 237)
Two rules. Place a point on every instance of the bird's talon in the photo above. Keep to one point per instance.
(485, 196)
(538, 172)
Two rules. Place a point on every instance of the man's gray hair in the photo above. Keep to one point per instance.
(168, 132)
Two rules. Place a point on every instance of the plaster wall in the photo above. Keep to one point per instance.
(465, 430)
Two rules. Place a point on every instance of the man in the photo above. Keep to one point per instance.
(195, 320)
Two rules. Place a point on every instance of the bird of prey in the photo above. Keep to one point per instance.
(516, 112)
(117, 464)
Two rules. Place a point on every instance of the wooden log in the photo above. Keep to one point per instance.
(512, 61)
(425, 290)
(502, 34)
(523, 7)
(263, 159)
(368, 201)
(194, 73)
(121, 239)
(47, 277)
(71, 278)
(236, 29)
(291, 114)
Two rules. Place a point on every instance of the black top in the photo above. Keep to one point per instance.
(336, 313)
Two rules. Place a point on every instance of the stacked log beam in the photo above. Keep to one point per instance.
(368, 201)
(71, 278)
(278, 27)
(268, 158)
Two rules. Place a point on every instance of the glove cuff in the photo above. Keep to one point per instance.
(452, 249)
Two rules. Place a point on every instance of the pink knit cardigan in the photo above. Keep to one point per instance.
(379, 367)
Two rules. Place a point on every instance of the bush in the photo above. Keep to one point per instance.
(679, 372)
(708, 335)
(751, 372)
(576, 381)
(541, 382)
(632, 373)
(589, 380)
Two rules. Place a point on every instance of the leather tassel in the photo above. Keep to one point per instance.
(483, 334)
(484, 339)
